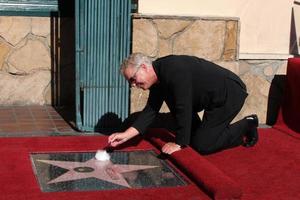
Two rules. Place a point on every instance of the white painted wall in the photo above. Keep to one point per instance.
(265, 25)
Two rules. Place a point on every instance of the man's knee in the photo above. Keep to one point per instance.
(204, 150)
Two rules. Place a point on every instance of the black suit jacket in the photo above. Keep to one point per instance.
(188, 85)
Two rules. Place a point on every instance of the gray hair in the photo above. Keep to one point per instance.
(135, 60)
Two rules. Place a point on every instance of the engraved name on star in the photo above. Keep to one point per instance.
(103, 170)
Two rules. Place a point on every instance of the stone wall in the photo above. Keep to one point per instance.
(215, 39)
(25, 60)
(260, 76)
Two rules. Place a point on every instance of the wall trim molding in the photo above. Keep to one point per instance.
(264, 56)
(150, 16)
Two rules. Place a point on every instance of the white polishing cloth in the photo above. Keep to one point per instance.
(102, 155)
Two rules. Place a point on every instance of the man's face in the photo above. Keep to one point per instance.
(138, 77)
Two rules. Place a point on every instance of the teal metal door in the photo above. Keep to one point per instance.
(103, 33)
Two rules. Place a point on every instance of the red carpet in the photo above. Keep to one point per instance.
(291, 107)
(283, 127)
(199, 169)
(18, 180)
(269, 170)
(289, 115)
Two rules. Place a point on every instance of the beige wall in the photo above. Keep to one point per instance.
(265, 25)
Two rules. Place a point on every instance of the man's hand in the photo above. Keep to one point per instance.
(170, 148)
(118, 138)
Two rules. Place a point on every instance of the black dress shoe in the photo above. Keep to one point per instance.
(251, 134)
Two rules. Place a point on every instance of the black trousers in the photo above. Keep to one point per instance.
(214, 132)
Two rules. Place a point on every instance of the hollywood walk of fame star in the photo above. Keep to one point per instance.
(103, 170)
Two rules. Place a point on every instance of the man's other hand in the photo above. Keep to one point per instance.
(170, 148)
